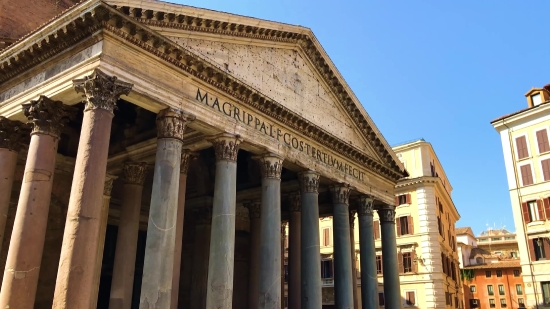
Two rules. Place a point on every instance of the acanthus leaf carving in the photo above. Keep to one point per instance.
(13, 134)
(171, 124)
(309, 182)
(295, 202)
(340, 193)
(101, 90)
(47, 116)
(134, 173)
(226, 147)
(254, 208)
(387, 214)
(365, 206)
(271, 166)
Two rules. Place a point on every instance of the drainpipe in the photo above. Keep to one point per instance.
(523, 225)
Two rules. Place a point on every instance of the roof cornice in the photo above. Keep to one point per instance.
(82, 22)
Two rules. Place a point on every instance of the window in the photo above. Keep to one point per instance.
(472, 288)
(532, 211)
(521, 146)
(411, 299)
(546, 292)
(286, 301)
(545, 169)
(381, 300)
(536, 99)
(474, 303)
(519, 289)
(379, 264)
(376, 229)
(526, 175)
(488, 274)
(403, 199)
(542, 140)
(479, 260)
(509, 238)
(503, 303)
(492, 303)
(496, 239)
(514, 254)
(521, 303)
(490, 290)
(326, 236)
(326, 269)
(500, 289)
(499, 273)
(439, 226)
(404, 225)
(407, 262)
(538, 247)
(516, 272)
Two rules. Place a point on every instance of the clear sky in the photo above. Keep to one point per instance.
(440, 70)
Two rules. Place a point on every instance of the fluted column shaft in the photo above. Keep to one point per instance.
(156, 287)
(294, 252)
(108, 186)
(29, 229)
(369, 280)
(254, 273)
(343, 293)
(76, 273)
(222, 243)
(126, 246)
(12, 134)
(186, 158)
(311, 247)
(353, 260)
(392, 288)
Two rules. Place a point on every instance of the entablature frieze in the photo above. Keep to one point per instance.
(76, 26)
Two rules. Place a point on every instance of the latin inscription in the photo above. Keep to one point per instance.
(270, 130)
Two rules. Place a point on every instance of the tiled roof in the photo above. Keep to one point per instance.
(519, 112)
(484, 253)
(501, 264)
(461, 230)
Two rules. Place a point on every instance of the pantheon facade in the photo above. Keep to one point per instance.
(150, 154)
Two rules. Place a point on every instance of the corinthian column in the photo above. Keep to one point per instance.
(29, 229)
(283, 241)
(343, 293)
(392, 289)
(75, 277)
(128, 227)
(254, 273)
(219, 292)
(158, 267)
(353, 259)
(294, 251)
(186, 158)
(369, 280)
(311, 247)
(12, 134)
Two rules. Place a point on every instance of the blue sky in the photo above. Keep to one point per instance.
(440, 70)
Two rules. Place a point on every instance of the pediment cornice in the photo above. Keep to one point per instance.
(83, 22)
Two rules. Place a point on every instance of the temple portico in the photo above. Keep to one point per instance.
(175, 171)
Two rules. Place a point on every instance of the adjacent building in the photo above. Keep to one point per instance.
(526, 148)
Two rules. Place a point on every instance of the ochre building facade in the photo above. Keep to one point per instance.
(166, 149)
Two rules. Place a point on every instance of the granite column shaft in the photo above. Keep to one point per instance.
(29, 229)
(156, 287)
(201, 253)
(392, 288)
(254, 273)
(369, 280)
(222, 243)
(122, 283)
(353, 259)
(311, 247)
(343, 293)
(294, 252)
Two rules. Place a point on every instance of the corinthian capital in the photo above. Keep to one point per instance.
(108, 185)
(186, 158)
(340, 193)
(101, 90)
(309, 181)
(47, 116)
(271, 165)
(171, 124)
(387, 214)
(295, 202)
(253, 208)
(365, 206)
(12, 134)
(226, 147)
(134, 173)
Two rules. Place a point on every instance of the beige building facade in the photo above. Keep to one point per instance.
(169, 147)
(524, 137)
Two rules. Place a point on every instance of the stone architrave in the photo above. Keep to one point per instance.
(186, 158)
(122, 283)
(76, 273)
(392, 289)
(353, 257)
(158, 267)
(369, 280)
(254, 272)
(343, 293)
(107, 188)
(271, 167)
(219, 292)
(294, 251)
(12, 135)
(29, 228)
(311, 247)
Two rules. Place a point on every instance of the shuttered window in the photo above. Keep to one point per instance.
(542, 140)
(521, 146)
(404, 225)
(376, 229)
(381, 299)
(526, 175)
(379, 265)
(411, 299)
(326, 237)
(545, 169)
